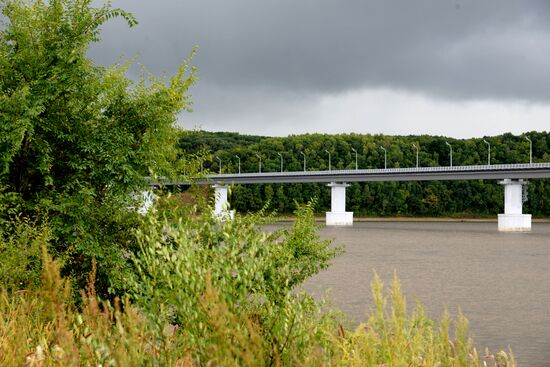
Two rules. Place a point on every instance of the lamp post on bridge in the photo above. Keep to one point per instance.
(355, 158)
(450, 146)
(385, 157)
(329, 167)
(219, 159)
(280, 155)
(489, 152)
(239, 158)
(259, 163)
(530, 150)
(415, 147)
(302, 153)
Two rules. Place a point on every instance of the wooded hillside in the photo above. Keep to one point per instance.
(437, 198)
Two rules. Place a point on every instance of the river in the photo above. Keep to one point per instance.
(501, 281)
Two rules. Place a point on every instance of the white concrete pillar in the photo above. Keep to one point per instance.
(338, 216)
(221, 205)
(513, 219)
(144, 201)
(147, 201)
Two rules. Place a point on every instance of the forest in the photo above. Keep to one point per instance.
(478, 198)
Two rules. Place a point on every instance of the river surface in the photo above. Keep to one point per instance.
(501, 281)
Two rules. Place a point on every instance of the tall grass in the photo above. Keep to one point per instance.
(395, 337)
(206, 293)
(43, 328)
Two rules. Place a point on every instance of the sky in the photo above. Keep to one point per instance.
(459, 68)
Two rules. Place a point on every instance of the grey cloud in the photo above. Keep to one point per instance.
(456, 49)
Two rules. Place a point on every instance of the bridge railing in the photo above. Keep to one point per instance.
(481, 168)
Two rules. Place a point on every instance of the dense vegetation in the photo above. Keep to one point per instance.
(76, 140)
(207, 293)
(436, 198)
(174, 286)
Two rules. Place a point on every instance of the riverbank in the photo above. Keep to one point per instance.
(417, 219)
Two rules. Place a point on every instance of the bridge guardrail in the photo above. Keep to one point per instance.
(493, 167)
(495, 172)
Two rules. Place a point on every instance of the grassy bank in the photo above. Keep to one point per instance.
(43, 328)
(207, 293)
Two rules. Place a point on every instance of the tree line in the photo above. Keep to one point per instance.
(431, 198)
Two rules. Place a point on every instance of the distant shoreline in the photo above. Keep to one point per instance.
(418, 219)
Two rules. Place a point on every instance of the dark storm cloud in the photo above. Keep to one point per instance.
(470, 49)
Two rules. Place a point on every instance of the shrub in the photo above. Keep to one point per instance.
(43, 328)
(77, 139)
(20, 254)
(254, 273)
(210, 293)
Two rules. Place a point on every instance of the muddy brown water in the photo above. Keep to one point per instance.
(501, 281)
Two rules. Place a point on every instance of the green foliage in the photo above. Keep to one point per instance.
(305, 253)
(435, 198)
(20, 255)
(194, 140)
(394, 337)
(254, 273)
(76, 140)
(42, 328)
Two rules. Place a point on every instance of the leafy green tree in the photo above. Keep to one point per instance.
(76, 139)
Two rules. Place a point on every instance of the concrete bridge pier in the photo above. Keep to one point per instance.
(221, 205)
(338, 216)
(513, 219)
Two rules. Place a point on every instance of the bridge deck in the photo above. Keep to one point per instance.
(480, 172)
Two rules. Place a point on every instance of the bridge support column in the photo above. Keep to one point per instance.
(338, 216)
(221, 205)
(513, 219)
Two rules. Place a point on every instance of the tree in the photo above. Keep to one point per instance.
(403, 198)
(77, 139)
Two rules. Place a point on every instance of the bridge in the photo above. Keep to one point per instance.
(512, 176)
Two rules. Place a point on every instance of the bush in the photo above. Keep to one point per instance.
(43, 328)
(254, 273)
(20, 255)
(77, 139)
